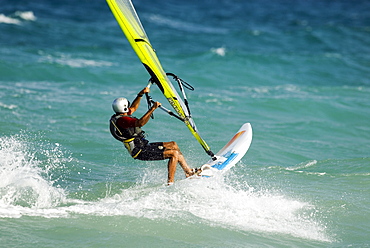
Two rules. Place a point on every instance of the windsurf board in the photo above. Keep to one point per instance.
(230, 154)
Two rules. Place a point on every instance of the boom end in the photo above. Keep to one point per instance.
(210, 153)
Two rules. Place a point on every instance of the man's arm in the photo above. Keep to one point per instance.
(145, 118)
(135, 104)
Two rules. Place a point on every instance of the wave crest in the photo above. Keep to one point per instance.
(17, 17)
(26, 181)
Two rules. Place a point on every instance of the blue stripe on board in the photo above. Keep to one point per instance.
(221, 166)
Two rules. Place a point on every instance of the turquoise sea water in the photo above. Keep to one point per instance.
(298, 71)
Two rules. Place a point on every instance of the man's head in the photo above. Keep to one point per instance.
(121, 105)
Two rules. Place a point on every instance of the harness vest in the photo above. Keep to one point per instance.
(133, 137)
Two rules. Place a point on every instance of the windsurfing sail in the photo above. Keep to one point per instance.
(127, 18)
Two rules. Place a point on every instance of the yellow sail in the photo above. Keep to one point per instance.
(127, 18)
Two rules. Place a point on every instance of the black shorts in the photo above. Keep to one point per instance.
(152, 151)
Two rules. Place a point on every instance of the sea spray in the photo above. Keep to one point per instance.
(26, 181)
(211, 202)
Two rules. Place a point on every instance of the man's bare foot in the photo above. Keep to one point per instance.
(194, 171)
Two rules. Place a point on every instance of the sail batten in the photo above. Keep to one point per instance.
(127, 18)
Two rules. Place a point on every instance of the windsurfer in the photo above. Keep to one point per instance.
(127, 129)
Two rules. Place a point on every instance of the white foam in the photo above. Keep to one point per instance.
(9, 20)
(11, 106)
(212, 201)
(23, 188)
(302, 165)
(221, 51)
(183, 25)
(26, 15)
(64, 59)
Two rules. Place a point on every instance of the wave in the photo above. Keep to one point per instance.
(9, 20)
(26, 184)
(333, 167)
(28, 188)
(186, 26)
(6, 106)
(221, 51)
(302, 165)
(211, 202)
(26, 15)
(17, 17)
(68, 60)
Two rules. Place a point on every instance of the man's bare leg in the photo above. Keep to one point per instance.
(171, 167)
(175, 151)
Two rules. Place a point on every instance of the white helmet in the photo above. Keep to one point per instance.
(121, 105)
